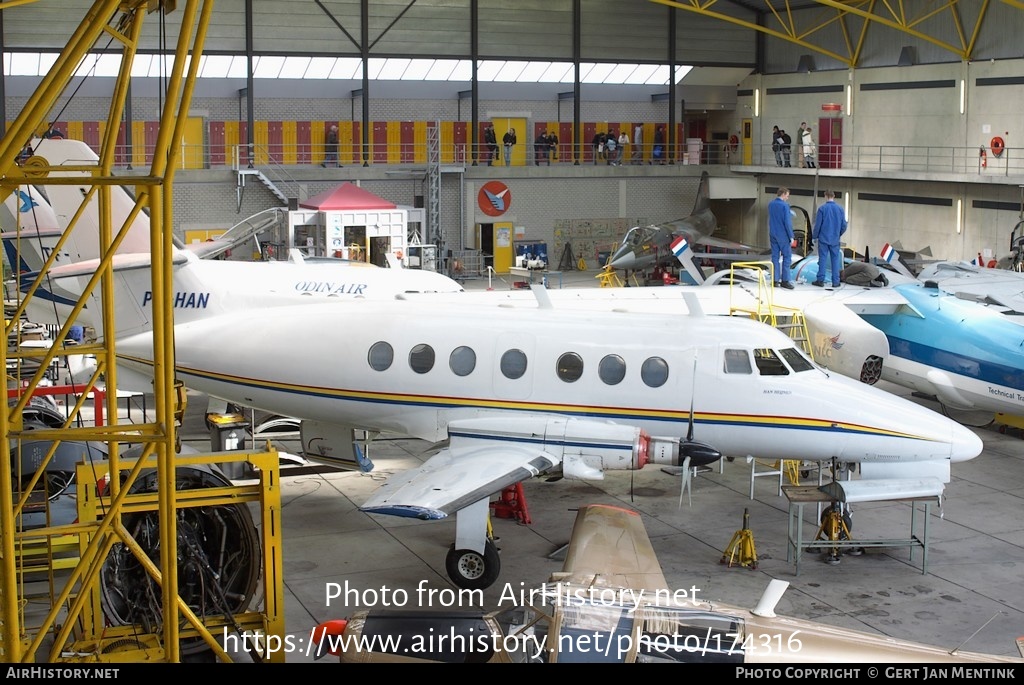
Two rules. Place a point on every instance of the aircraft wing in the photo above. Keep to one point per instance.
(456, 477)
(724, 244)
(610, 546)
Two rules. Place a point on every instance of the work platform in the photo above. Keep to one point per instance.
(796, 544)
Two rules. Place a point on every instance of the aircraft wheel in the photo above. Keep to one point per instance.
(470, 570)
(968, 417)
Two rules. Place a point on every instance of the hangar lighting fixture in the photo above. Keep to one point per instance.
(757, 102)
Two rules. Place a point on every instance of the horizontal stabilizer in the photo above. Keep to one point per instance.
(880, 490)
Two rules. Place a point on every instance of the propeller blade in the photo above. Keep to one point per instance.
(685, 486)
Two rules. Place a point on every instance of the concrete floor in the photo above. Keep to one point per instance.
(971, 595)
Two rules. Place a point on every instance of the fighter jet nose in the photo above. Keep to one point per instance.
(965, 444)
(622, 259)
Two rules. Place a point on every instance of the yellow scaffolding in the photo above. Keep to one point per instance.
(73, 624)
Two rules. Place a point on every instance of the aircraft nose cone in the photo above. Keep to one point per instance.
(623, 259)
(965, 444)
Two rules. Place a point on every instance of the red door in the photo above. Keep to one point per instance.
(830, 143)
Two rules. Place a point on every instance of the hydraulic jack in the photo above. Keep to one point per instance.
(741, 548)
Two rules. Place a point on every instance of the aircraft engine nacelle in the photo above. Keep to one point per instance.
(585, 448)
(845, 343)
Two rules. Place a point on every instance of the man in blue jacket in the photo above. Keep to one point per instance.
(780, 233)
(829, 225)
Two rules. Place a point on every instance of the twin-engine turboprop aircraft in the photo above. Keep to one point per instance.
(520, 392)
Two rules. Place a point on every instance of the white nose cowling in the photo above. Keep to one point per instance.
(964, 444)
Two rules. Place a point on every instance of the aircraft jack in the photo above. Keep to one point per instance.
(742, 546)
(512, 505)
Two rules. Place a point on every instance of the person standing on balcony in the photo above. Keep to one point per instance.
(491, 142)
(540, 149)
(620, 150)
(800, 144)
(777, 145)
(508, 140)
(331, 148)
(809, 150)
(658, 153)
(638, 152)
(553, 146)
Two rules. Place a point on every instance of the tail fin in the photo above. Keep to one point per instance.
(67, 200)
(892, 257)
(703, 201)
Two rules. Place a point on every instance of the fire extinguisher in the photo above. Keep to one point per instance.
(984, 158)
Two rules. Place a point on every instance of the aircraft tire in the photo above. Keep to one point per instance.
(470, 570)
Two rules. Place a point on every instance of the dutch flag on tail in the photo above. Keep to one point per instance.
(888, 252)
(680, 248)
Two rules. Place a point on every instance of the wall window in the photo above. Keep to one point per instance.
(513, 364)
(421, 358)
(381, 356)
(462, 361)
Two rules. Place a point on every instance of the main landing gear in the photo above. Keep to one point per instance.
(472, 570)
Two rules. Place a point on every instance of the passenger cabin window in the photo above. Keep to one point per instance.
(612, 369)
(654, 372)
(737, 361)
(513, 364)
(570, 367)
(768, 363)
(381, 356)
(796, 359)
(421, 358)
(671, 635)
(462, 361)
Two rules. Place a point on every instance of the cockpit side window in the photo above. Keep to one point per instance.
(768, 362)
(796, 360)
(737, 361)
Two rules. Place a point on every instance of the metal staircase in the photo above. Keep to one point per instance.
(789, 320)
(272, 174)
(433, 227)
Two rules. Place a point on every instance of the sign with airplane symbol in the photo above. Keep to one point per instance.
(494, 198)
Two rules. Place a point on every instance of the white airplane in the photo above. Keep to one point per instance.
(558, 392)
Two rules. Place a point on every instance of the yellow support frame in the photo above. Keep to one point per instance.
(119, 22)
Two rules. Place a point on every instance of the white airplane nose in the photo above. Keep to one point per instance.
(964, 444)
